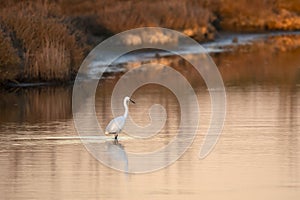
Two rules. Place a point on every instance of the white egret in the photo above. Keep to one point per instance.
(116, 125)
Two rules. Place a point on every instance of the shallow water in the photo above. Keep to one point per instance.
(256, 157)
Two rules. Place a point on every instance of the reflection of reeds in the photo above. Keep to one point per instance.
(48, 104)
(255, 64)
(36, 105)
(44, 41)
(260, 66)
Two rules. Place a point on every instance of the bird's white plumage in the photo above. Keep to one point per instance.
(115, 125)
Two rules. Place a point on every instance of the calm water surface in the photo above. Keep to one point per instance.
(256, 157)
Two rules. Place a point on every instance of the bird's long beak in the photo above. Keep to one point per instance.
(132, 101)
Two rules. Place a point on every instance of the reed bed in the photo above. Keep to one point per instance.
(199, 18)
(257, 15)
(158, 13)
(9, 58)
(46, 41)
(8, 54)
(119, 15)
(47, 48)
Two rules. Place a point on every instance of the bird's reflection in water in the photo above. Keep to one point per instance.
(116, 155)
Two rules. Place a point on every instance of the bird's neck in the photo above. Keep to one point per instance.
(126, 110)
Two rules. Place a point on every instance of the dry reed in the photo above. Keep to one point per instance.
(49, 50)
(197, 18)
(8, 54)
(118, 15)
(257, 15)
(36, 35)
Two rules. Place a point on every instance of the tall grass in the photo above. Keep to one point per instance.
(121, 15)
(40, 39)
(48, 48)
(199, 18)
(8, 56)
(52, 60)
(292, 5)
(257, 15)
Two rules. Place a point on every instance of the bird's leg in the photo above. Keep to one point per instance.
(115, 142)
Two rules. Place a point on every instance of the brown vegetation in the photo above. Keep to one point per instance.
(198, 18)
(120, 15)
(37, 35)
(291, 5)
(8, 56)
(43, 41)
(257, 15)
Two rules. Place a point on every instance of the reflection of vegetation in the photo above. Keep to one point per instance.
(259, 64)
(42, 41)
(36, 105)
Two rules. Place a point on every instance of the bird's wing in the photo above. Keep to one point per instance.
(115, 125)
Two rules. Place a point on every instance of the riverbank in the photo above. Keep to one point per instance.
(46, 42)
(261, 46)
